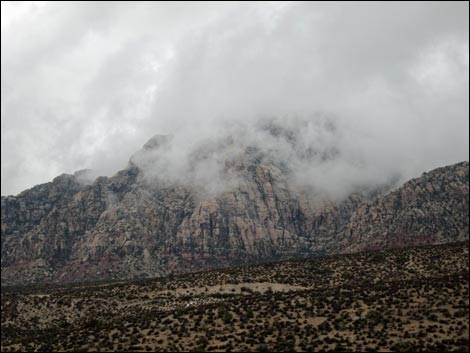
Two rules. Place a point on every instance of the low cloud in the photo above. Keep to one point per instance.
(371, 92)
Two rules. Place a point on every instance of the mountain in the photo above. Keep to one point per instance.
(133, 226)
(431, 209)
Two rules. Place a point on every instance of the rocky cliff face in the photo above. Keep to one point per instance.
(431, 209)
(128, 226)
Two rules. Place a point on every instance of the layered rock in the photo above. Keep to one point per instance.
(431, 209)
(129, 226)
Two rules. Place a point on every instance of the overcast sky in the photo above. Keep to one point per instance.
(85, 85)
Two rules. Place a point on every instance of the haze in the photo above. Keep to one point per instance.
(85, 85)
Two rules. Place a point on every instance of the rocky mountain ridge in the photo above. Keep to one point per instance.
(126, 226)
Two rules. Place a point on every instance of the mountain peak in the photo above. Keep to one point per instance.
(121, 227)
(157, 141)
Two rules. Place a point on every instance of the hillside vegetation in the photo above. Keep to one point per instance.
(399, 300)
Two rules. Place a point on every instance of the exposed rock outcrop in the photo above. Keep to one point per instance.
(126, 226)
(433, 208)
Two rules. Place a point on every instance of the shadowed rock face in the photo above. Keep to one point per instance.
(126, 226)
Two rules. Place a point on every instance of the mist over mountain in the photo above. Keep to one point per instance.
(224, 202)
(273, 129)
(314, 154)
(220, 176)
(369, 100)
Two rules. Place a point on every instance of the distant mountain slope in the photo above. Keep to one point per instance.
(433, 208)
(127, 227)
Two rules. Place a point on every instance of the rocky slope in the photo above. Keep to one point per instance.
(431, 209)
(128, 226)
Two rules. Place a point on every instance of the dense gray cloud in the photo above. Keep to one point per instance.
(84, 85)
